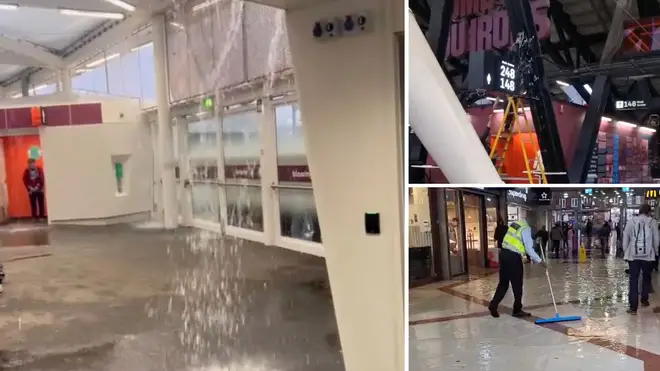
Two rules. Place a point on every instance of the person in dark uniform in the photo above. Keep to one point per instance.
(33, 179)
(517, 242)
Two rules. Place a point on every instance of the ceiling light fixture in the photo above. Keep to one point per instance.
(562, 83)
(623, 123)
(587, 88)
(84, 13)
(101, 61)
(645, 128)
(606, 119)
(8, 6)
(122, 4)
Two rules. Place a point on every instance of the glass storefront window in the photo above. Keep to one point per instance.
(203, 157)
(472, 210)
(298, 218)
(420, 241)
(242, 148)
(492, 214)
(456, 255)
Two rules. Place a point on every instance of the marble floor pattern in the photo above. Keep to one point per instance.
(451, 329)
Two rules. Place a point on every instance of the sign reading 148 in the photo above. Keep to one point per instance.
(507, 77)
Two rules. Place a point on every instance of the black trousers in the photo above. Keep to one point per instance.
(556, 246)
(644, 268)
(37, 204)
(511, 271)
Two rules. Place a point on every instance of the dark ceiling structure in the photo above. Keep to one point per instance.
(576, 54)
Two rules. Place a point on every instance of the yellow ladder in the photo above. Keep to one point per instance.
(515, 106)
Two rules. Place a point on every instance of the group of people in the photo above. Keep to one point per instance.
(640, 247)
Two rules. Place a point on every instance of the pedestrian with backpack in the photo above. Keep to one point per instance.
(640, 245)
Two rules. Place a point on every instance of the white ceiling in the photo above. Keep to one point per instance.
(37, 33)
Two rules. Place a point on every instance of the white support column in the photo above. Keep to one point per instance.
(25, 86)
(439, 119)
(268, 170)
(349, 98)
(64, 81)
(165, 137)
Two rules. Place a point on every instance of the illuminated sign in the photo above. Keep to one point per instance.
(630, 105)
(651, 193)
(490, 72)
(484, 25)
(588, 191)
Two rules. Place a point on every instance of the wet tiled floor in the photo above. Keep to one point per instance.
(117, 299)
(451, 329)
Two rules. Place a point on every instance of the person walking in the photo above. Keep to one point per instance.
(640, 244)
(517, 242)
(556, 236)
(542, 236)
(604, 237)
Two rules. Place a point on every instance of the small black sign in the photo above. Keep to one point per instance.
(543, 196)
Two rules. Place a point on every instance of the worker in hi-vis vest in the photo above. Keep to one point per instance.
(517, 242)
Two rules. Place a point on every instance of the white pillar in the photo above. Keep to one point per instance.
(439, 120)
(165, 137)
(350, 103)
(25, 86)
(64, 81)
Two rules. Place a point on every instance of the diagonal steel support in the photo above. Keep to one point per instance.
(521, 20)
(599, 98)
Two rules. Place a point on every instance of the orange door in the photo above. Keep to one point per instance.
(16, 156)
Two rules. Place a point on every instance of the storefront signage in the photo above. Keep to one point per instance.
(543, 195)
(651, 193)
(284, 173)
(484, 25)
(517, 195)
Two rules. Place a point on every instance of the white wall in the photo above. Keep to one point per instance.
(349, 97)
(80, 174)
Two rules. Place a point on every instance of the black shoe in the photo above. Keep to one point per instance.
(493, 312)
(646, 304)
(631, 312)
(521, 314)
(627, 271)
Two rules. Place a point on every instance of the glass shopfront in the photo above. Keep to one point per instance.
(253, 196)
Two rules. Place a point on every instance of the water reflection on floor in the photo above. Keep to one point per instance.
(451, 328)
(120, 299)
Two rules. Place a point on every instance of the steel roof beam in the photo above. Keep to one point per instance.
(99, 41)
(39, 55)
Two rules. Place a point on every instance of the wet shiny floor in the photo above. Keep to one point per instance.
(451, 329)
(117, 299)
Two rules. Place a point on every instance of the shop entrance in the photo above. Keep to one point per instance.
(473, 212)
(17, 149)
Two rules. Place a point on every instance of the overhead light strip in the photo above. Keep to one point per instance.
(122, 4)
(101, 61)
(85, 13)
(8, 6)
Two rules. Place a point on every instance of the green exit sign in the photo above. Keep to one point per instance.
(207, 103)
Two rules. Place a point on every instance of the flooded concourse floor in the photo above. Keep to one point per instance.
(120, 298)
(451, 328)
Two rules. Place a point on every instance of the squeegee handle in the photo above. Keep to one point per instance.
(552, 293)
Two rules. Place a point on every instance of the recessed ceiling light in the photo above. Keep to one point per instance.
(84, 13)
(122, 4)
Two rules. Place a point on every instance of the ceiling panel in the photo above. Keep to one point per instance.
(46, 27)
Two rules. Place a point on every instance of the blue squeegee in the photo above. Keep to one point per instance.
(557, 317)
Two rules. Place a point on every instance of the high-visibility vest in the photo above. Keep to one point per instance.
(513, 239)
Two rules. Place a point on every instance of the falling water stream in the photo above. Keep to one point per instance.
(212, 290)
